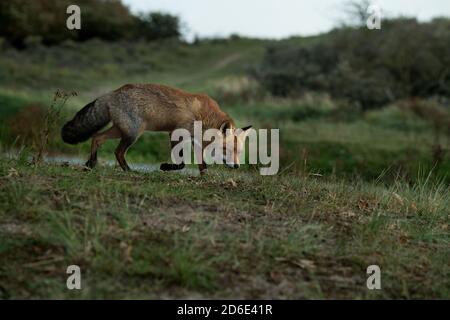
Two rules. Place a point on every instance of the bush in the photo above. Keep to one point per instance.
(104, 19)
(157, 25)
(27, 123)
(370, 67)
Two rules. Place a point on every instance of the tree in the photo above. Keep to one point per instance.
(158, 25)
(104, 19)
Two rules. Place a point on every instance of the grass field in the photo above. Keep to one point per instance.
(225, 235)
(354, 189)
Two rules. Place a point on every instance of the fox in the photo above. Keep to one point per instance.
(136, 108)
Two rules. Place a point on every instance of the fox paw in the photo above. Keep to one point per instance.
(171, 166)
(90, 164)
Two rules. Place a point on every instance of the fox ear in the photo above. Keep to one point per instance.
(224, 126)
(243, 131)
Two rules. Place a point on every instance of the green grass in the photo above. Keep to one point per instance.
(153, 235)
(94, 67)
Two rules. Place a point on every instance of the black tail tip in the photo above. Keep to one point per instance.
(68, 135)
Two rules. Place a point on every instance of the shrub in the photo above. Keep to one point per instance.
(104, 19)
(370, 67)
(157, 25)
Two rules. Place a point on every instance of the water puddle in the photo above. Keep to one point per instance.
(140, 167)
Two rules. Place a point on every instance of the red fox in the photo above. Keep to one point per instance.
(135, 108)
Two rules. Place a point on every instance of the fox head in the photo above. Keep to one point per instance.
(231, 142)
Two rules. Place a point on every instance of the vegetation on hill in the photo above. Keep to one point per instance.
(371, 68)
(318, 134)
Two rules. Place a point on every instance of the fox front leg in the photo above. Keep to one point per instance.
(172, 166)
(202, 167)
(199, 155)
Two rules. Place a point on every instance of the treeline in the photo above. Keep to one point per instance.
(109, 20)
(404, 59)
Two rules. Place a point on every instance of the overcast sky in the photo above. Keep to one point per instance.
(275, 18)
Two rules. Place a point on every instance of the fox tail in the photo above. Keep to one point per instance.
(92, 118)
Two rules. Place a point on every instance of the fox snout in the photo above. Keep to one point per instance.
(232, 165)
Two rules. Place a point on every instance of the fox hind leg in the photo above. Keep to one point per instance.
(97, 140)
(121, 150)
(131, 128)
